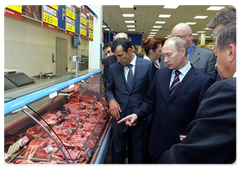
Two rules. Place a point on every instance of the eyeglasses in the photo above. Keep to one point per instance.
(183, 35)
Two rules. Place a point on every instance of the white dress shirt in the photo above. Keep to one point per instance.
(183, 71)
(126, 69)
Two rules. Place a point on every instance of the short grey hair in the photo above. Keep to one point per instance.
(225, 16)
(226, 36)
(179, 44)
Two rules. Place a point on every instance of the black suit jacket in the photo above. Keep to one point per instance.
(109, 61)
(172, 115)
(211, 136)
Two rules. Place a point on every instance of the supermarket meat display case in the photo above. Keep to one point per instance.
(64, 123)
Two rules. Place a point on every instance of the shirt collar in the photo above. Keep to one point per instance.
(190, 49)
(133, 62)
(235, 74)
(185, 69)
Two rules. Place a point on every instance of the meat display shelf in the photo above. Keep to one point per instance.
(64, 123)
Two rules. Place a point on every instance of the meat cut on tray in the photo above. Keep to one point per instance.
(37, 149)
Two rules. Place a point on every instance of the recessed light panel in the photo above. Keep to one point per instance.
(126, 6)
(164, 16)
(128, 15)
(171, 6)
(215, 8)
(200, 17)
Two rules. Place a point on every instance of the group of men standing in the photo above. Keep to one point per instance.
(176, 114)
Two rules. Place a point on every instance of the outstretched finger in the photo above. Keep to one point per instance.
(123, 120)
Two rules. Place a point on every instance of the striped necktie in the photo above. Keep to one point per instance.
(175, 83)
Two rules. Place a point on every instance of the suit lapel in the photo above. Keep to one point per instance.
(122, 76)
(195, 55)
(186, 82)
(167, 82)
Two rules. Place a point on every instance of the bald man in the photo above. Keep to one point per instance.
(202, 59)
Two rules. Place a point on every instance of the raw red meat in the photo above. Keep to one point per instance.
(51, 119)
(72, 152)
(35, 130)
(74, 143)
(61, 132)
(37, 146)
(21, 161)
(72, 122)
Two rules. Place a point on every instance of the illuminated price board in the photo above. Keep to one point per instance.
(50, 16)
(50, 19)
(83, 32)
(14, 11)
(70, 19)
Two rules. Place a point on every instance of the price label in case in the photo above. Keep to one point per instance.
(52, 95)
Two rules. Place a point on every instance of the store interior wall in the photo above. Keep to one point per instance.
(28, 47)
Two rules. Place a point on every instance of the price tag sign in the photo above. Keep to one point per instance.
(48, 149)
(14, 11)
(50, 16)
(70, 20)
(52, 95)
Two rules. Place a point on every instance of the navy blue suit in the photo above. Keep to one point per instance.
(211, 136)
(129, 101)
(172, 115)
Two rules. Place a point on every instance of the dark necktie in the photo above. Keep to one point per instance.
(130, 76)
(175, 83)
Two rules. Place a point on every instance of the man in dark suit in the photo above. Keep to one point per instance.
(222, 18)
(112, 59)
(211, 136)
(125, 90)
(175, 96)
(202, 59)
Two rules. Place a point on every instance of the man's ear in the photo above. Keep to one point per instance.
(129, 50)
(231, 52)
(183, 52)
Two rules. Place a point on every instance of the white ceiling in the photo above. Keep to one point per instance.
(146, 16)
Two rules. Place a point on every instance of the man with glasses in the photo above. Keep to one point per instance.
(202, 59)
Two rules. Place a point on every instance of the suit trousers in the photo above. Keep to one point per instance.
(137, 139)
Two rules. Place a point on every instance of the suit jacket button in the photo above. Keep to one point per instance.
(165, 117)
(168, 103)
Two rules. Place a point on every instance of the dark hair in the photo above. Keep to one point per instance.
(123, 42)
(150, 43)
(225, 16)
(226, 36)
(134, 46)
(109, 44)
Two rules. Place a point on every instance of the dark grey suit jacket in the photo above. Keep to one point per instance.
(202, 59)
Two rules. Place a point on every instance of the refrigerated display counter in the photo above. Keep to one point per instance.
(65, 123)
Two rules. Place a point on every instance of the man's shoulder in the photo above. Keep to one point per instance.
(204, 50)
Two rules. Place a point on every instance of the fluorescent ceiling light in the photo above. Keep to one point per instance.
(107, 29)
(131, 29)
(208, 37)
(126, 6)
(155, 26)
(207, 28)
(164, 16)
(194, 33)
(171, 6)
(104, 26)
(200, 17)
(128, 15)
(201, 31)
(129, 22)
(152, 33)
(191, 23)
(160, 22)
(154, 30)
(215, 8)
(131, 26)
